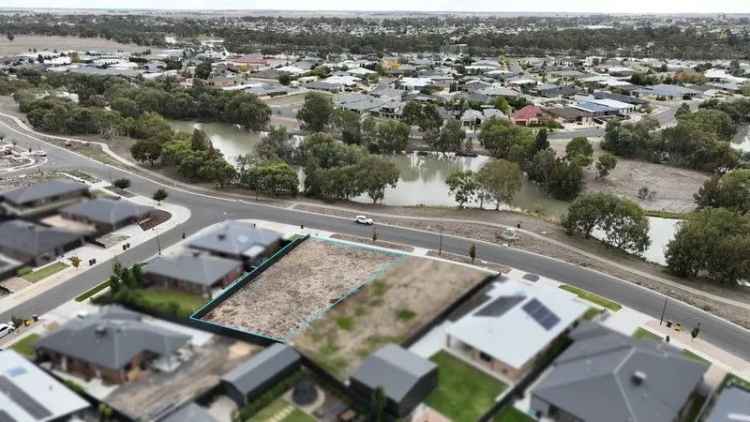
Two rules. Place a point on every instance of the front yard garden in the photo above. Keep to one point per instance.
(44, 272)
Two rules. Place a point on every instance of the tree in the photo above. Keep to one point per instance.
(565, 179)
(501, 138)
(541, 143)
(272, 178)
(285, 79)
(623, 222)
(75, 261)
(347, 122)
(121, 183)
(500, 180)
(451, 137)
(146, 151)
(275, 146)
(463, 186)
(316, 113)
(391, 136)
(682, 110)
(203, 70)
(375, 174)
(430, 120)
(473, 252)
(502, 104)
(10, 36)
(731, 191)
(579, 149)
(714, 242)
(412, 113)
(605, 164)
(160, 195)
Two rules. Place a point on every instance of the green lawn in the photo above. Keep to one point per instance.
(45, 272)
(595, 299)
(695, 408)
(732, 379)
(464, 393)
(25, 346)
(592, 313)
(188, 302)
(511, 414)
(642, 334)
(690, 355)
(278, 406)
(298, 416)
(91, 292)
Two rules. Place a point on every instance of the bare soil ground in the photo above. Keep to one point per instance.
(156, 391)
(674, 186)
(22, 44)
(389, 310)
(369, 241)
(300, 287)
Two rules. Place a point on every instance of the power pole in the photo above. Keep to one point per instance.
(440, 249)
(663, 311)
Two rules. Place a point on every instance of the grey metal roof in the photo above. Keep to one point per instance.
(189, 413)
(395, 369)
(667, 90)
(235, 238)
(594, 379)
(107, 211)
(732, 405)
(112, 338)
(33, 239)
(194, 268)
(262, 367)
(43, 190)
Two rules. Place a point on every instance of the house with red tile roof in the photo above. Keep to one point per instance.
(528, 115)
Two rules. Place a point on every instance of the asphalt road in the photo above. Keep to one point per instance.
(210, 210)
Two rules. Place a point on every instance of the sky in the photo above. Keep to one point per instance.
(567, 6)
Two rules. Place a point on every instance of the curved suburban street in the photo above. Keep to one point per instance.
(209, 209)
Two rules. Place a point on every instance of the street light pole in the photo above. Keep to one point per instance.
(440, 250)
(663, 311)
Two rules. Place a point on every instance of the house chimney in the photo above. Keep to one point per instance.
(222, 236)
(100, 331)
(196, 254)
(638, 378)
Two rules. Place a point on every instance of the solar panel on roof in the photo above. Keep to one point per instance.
(541, 314)
(532, 306)
(500, 306)
(21, 398)
(5, 417)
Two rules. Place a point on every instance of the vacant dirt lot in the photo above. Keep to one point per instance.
(22, 44)
(300, 287)
(674, 186)
(389, 310)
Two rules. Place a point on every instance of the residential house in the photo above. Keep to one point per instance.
(42, 198)
(607, 376)
(405, 379)
(668, 92)
(107, 215)
(514, 327)
(551, 90)
(568, 115)
(194, 272)
(28, 394)
(593, 110)
(259, 373)
(114, 345)
(34, 244)
(527, 116)
(240, 241)
(732, 404)
(619, 107)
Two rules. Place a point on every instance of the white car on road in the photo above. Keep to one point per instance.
(5, 329)
(361, 219)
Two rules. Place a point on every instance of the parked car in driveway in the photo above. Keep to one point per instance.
(361, 219)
